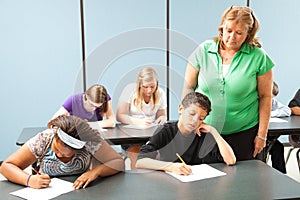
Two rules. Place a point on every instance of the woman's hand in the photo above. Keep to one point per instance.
(39, 181)
(180, 169)
(85, 179)
(259, 144)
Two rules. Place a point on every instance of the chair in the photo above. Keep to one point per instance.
(295, 142)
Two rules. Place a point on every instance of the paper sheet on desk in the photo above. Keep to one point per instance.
(199, 172)
(139, 126)
(275, 119)
(95, 125)
(56, 188)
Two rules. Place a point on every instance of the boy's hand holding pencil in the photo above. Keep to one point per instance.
(180, 168)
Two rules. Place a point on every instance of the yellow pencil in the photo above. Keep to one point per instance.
(180, 158)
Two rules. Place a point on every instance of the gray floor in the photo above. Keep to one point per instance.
(292, 167)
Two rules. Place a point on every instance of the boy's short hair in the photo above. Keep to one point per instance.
(198, 99)
(275, 89)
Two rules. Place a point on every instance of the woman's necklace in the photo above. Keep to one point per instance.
(226, 57)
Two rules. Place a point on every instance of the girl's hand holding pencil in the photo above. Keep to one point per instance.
(39, 180)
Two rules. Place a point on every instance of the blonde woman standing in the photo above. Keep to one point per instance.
(235, 72)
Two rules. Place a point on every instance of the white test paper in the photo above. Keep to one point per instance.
(95, 125)
(56, 188)
(199, 172)
(139, 126)
(276, 119)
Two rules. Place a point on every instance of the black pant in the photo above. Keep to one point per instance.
(277, 156)
(242, 143)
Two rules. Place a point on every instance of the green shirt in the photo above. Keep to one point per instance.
(234, 97)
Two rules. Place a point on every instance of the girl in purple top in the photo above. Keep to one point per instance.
(91, 105)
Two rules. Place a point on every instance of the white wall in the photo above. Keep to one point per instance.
(40, 59)
(40, 52)
(279, 34)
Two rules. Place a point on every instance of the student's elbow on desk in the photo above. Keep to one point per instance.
(112, 123)
(139, 163)
(122, 118)
(117, 165)
(230, 161)
(143, 163)
(295, 110)
(107, 123)
(121, 165)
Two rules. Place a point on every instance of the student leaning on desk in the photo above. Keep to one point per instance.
(189, 140)
(65, 148)
(143, 103)
(294, 104)
(94, 104)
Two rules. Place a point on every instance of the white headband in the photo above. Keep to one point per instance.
(69, 140)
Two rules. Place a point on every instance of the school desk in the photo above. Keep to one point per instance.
(122, 135)
(291, 127)
(247, 180)
(118, 135)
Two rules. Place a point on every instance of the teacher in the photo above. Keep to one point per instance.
(236, 74)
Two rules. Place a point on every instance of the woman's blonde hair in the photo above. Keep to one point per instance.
(98, 94)
(243, 15)
(145, 75)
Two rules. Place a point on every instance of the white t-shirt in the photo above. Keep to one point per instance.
(225, 69)
(147, 109)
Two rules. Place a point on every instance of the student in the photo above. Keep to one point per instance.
(195, 141)
(278, 109)
(143, 103)
(92, 105)
(277, 149)
(294, 104)
(65, 148)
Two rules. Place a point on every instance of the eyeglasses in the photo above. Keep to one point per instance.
(93, 105)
